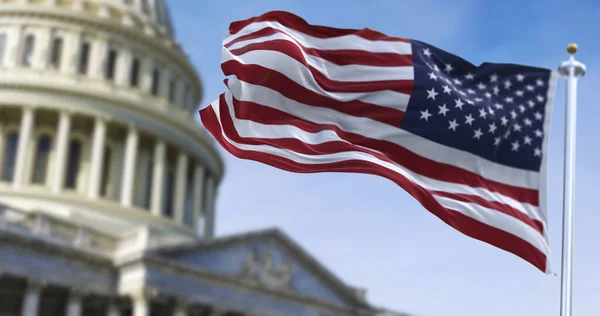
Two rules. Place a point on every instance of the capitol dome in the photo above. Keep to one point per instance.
(108, 184)
(97, 129)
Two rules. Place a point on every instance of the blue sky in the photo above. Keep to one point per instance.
(370, 232)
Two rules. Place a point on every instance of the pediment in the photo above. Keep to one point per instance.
(268, 259)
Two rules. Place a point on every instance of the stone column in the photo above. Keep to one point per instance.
(131, 149)
(123, 68)
(209, 224)
(31, 299)
(62, 148)
(98, 55)
(13, 42)
(70, 52)
(158, 176)
(141, 306)
(24, 136)
(147, 68)
(74, 304)
(97, 158)
(41, 49)
(197, 198)
(180, 187)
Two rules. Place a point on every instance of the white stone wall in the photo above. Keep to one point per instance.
(92, 108)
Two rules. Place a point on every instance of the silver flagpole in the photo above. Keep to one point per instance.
(571, 70)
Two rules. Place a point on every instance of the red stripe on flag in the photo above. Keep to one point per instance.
(297, 23)
(500, 207)
(431, 167)
(274, 80)
(291, 50)
(459, 221)
(338, 57)
(411, 161)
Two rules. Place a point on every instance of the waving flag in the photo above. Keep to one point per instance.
(468, 142)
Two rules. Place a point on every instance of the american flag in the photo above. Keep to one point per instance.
(468, 142)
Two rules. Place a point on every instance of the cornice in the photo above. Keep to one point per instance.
(102, 24)
(289, 246)
(104, 205)
(169, 265)
(46, 247)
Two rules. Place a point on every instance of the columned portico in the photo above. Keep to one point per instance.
(131, 148)
(62, 141)
(24, 138)
(31, 298)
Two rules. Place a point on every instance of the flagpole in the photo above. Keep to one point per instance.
(571, 70)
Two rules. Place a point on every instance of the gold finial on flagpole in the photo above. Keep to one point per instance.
(572, 48)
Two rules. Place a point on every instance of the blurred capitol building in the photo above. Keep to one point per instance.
(108, 185)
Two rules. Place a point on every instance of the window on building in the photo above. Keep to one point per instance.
(111, 63)
(2, 48)
(11, 295)
(10, 156)
(134, 73)
(27, 54)
(73, 164)
(56, 52)
(40, 164)
(155, 81)
(168, 190)
(172, 89)
(106, 170)
(84, 58)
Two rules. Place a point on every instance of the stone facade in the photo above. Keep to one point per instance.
(108, 186)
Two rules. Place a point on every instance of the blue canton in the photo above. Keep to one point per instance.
(496, 111)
